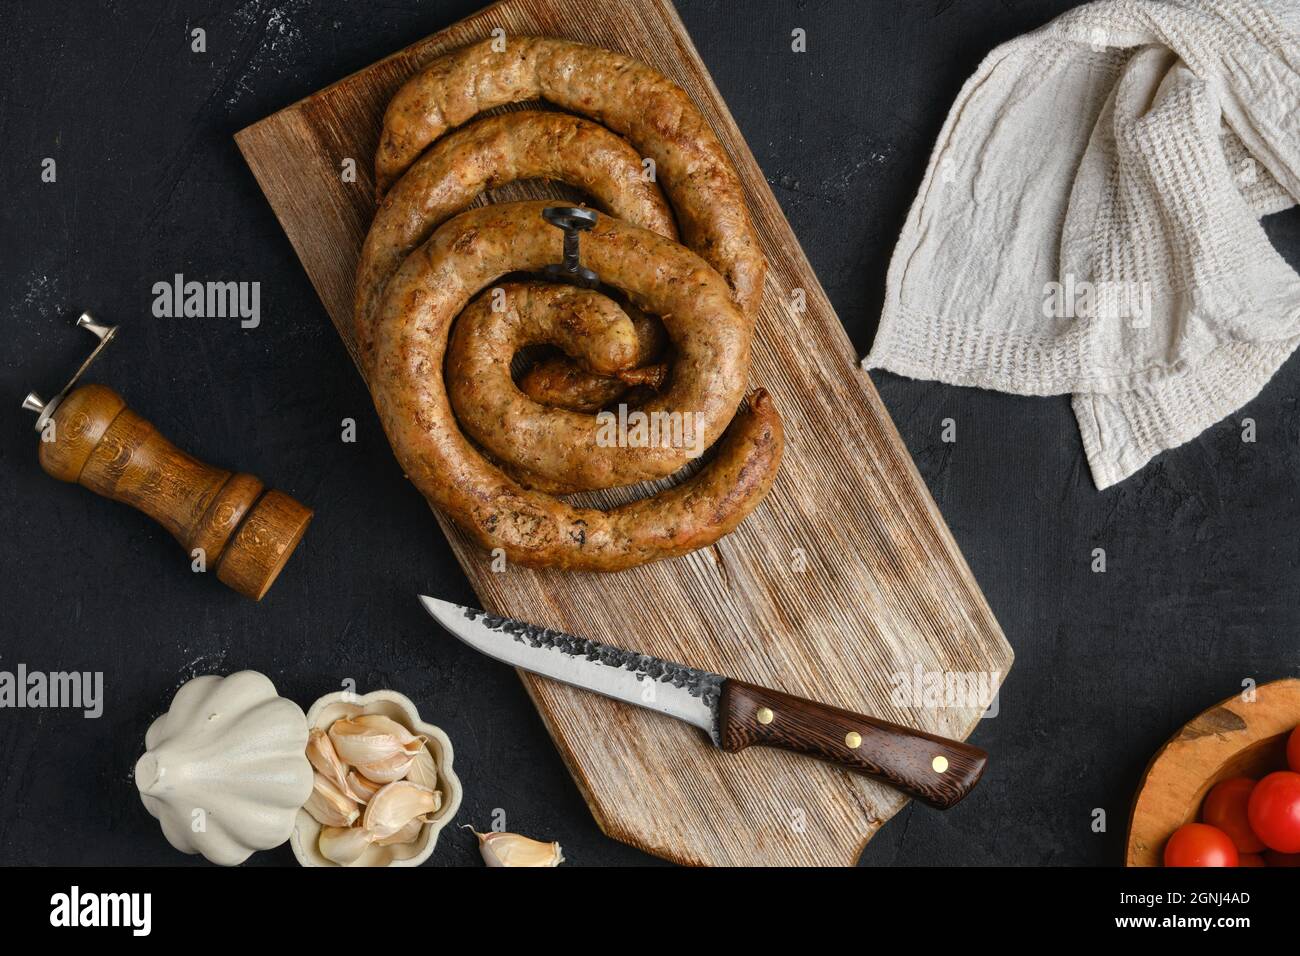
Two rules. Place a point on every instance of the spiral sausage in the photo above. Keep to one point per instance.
(522, 444)
(486, 154)
(562, 451)
(654, 113)
(435, 284)
(547, 448)
(565, 383)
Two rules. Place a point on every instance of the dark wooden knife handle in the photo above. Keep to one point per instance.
(934, 770)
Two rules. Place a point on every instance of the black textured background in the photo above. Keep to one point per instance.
(1202, 552)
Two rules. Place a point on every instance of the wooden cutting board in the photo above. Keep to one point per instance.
(845, 577)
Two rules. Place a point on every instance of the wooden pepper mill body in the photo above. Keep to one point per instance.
(245, 531)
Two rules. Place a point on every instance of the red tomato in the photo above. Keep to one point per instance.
(1274, 811)
(1225, 808)
(1272, 858)
(1198, 844)
(1293, 750)
(1250, 859)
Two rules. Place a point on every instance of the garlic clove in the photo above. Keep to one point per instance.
(377, 747)
(344, 845)
(408, 834)
(360, 788)
(387, 770)
(396, 805)
(423, 770)
(329, 806)
(325, 759)
(386, 725)
(511, 849)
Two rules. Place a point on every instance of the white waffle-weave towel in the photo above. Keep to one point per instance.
(1089, 222)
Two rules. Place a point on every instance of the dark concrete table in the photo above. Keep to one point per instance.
(1202, 553)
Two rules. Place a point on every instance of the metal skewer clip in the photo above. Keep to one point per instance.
(573, 221)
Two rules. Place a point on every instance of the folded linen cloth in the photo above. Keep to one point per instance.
(1089, 222)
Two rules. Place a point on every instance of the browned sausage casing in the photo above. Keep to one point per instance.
(655, 115)
(563, 451)
(434, 285)
(543, 447)
(490, 153)
(565, 383)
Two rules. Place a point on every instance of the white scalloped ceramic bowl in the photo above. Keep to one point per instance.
(306, 831)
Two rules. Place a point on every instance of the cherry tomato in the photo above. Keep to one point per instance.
(1274, 811)
(1199, 844)
(1293, 750)
(1273, 858)
(1225, 808)
(1250, 859)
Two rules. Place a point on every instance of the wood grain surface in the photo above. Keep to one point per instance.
(246, 532)
(845, 577)
(934, 770)
(1234, 738)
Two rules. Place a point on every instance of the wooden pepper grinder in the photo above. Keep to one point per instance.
(88, 435)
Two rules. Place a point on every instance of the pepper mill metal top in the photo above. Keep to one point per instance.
(43, 409)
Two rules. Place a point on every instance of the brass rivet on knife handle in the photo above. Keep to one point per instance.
(933, 769)
(765, 715)
(244, 532)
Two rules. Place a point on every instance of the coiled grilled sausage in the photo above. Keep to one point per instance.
(655, 115)
(563, 382)
(434, 285)
(490, 153)
(555, 449)
(563, 451)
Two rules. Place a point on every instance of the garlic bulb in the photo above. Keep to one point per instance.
(396, 805)
(330, 806)
(344, 845)
(511, 849)
(378, 747)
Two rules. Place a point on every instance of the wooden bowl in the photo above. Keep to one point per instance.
(1232, 739)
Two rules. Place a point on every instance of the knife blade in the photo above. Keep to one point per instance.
(734, 714)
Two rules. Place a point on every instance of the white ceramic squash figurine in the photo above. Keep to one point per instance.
(225, 770)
